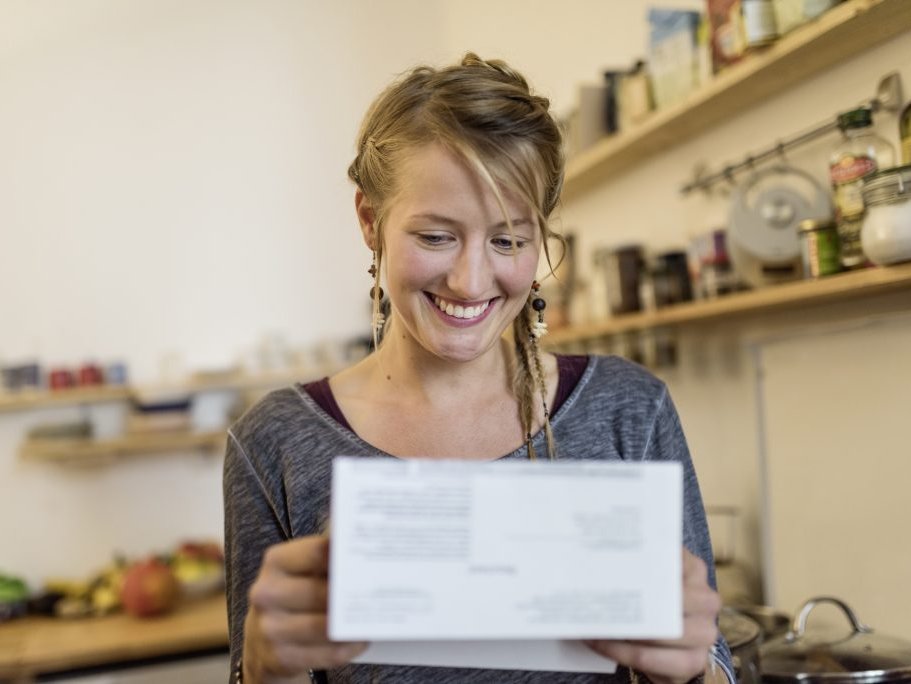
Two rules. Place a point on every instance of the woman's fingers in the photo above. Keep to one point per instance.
(676, 664)
(284, 592)
(302, 556)
(675, 660)
(293, 628)
(293, 576)
(697, 633)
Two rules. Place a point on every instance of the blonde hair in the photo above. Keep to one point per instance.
(484, 112)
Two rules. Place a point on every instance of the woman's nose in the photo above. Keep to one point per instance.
(471, 275)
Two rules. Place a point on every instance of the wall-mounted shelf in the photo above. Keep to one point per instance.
(35, 399)
(843, 286)
(87, 450)
(844, 31)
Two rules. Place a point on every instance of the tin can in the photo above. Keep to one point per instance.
(759, 22)
(819, 247)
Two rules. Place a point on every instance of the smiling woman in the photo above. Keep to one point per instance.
(457, 274)
(457, 173)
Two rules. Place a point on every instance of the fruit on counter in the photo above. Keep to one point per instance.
(98, 595)
(149, 588)
(13, 597)
(199, 567)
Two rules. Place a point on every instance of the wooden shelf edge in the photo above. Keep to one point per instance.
(75, 450)
(841, 33)
(32, 399)
(851, 285)
(27, 399)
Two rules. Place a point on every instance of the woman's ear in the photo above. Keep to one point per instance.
(366, 216)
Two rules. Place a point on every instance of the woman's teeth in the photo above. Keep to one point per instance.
(459, 311)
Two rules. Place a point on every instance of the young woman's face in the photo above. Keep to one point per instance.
(455, 275)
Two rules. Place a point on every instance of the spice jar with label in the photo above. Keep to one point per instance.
(819, 247)
(886, 234)
(860, 154)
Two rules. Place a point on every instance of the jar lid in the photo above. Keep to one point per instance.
(811, 224)
(856, 118)
(888, 186)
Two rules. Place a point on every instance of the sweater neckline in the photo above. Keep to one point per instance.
(364, 446)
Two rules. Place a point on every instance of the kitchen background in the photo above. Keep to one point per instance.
(174, 198)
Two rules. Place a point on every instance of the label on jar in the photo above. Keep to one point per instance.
(851, 250)
(820, 251)
(847, 178)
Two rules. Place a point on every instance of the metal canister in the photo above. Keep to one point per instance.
(819, 247)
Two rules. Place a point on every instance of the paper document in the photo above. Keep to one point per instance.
(451, 553)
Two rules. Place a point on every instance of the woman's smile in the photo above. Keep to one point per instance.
(461, 314)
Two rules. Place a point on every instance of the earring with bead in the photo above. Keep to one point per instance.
(539, 327)
(376, 296)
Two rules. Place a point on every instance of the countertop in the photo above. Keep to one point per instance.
(36, 645)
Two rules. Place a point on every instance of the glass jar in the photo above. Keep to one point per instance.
(886, 233)
(819, 247)
(859, 154)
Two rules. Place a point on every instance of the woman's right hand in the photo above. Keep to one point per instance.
(285, 628)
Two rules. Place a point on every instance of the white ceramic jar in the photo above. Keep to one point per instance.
(886, 232)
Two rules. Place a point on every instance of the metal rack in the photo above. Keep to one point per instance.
(888, 98)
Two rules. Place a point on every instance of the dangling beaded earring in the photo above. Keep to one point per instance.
(539, 327)
(376, 296)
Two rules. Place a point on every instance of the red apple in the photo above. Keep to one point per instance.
(149, 588)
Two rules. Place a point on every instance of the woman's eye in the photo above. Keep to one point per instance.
(508, 243)
(433, 238)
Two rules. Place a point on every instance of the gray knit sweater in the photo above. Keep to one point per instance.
(277, 474)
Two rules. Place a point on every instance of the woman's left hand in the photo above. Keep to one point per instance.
(679, 660)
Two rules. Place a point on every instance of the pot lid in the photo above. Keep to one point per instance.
(862, 657)
(738, 629)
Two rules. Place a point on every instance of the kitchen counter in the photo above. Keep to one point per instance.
(36, 645)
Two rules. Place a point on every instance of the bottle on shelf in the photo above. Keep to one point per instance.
(860, 153)
(904, 130)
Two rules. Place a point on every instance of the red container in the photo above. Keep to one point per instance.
(61, 378)
(90, 374)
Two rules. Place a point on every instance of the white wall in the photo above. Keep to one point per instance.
(173, 183)
(173, 179)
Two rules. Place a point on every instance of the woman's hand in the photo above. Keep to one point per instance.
(679, 660)
(285, 628)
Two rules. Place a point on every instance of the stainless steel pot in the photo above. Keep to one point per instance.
(772, 622)
(861, 657)
(743, 635)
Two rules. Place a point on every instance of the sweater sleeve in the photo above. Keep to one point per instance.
(668, 443)
(251, 526)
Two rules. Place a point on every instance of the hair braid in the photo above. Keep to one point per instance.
(524, 384)
(530, 381)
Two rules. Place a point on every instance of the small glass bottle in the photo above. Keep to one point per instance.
(860, 153)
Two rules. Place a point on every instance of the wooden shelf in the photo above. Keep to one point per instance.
(839, 34)
(29, 399)
(88, 450)
(844, 286)
(34, 645)
(34, 399)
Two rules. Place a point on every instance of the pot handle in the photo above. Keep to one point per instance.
(800, 621)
